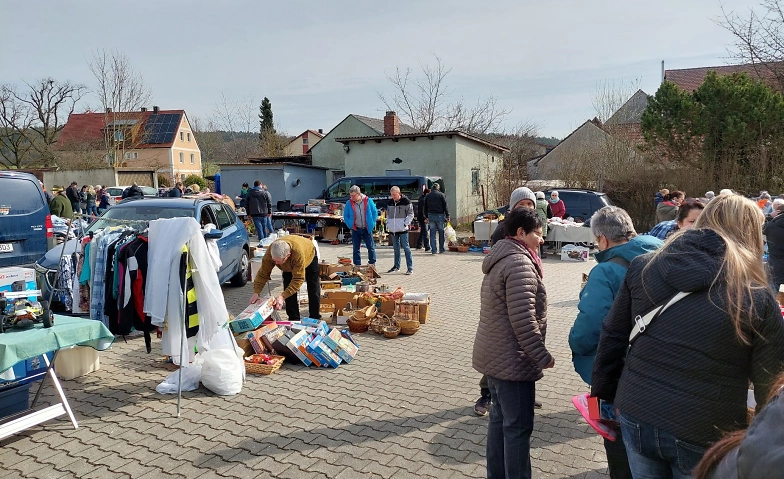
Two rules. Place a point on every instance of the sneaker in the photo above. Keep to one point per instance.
(482, 406)
(537, 404)
(411, 271)
(418, 247)
(392, 270)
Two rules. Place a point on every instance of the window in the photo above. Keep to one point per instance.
(131, 155)
(182, 136)
(224, 221)
(340, 189)
(182, 157)
(189, 137)
(474, 181)
(182, 177)
(192, 158)
(119, 135)
(304, 141)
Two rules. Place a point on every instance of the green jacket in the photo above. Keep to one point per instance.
(541, 209)
(61, 206)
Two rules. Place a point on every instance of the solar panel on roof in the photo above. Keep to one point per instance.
(161, 127)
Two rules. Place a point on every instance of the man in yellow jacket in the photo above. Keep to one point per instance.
(296, 257)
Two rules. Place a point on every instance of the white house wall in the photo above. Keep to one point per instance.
(329, 154)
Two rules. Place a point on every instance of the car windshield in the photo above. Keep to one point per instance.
(139, 212)
(149, 191)
(19, 197)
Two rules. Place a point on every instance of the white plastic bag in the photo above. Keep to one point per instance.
(450, 234)
(190, 378)
(223, 371)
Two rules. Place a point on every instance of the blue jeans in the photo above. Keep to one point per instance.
(401, 240)
(437, 223)
(92, 210)
(259, 224)
(510, 427)
(357, 237)
(655, 454)
(268, 226)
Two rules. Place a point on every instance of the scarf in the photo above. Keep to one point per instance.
(554, 201)
(533, 254)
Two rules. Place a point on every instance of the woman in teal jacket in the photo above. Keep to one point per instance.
(619, 245)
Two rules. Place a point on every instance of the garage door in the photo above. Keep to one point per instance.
(141, 178)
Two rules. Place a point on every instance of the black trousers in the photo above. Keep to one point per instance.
(314, 292)
(617, 461)
(424, 237)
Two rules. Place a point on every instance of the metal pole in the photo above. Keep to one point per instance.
(183, 339)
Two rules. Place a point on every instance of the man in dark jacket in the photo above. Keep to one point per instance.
(176, 192)
(423, 239)
(259, 207)
(400, 214)
(135, 192)
(437, 215)
(774, 232)
(619, 245)
(72, 192)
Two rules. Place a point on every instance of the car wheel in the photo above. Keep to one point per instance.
(241, 278)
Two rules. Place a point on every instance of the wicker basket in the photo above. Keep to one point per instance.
(358, 326)
(462, 248)
(381, 321)
(255, 368)
(407, 326)
(391, 331)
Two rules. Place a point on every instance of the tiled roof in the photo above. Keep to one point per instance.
(431, 134)
(88, 127)
(378, 125)
(631, 111)
(689, 79)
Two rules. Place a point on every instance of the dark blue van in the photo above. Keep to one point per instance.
(377, 187)
(25, 223)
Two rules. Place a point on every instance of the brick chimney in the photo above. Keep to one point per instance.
(391, 124)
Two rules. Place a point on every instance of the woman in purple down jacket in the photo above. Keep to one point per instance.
(509, 347)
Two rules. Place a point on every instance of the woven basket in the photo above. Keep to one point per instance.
(407, 326)
(255, 368)
(463, 248)
(356, 326)
(391, 331)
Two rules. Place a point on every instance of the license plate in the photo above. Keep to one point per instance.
(6, 248)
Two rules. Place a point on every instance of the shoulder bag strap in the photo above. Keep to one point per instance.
(642, 322)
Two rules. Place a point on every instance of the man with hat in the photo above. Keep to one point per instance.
(60, 204)
(73, 196)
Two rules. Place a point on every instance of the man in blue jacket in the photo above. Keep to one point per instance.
(619, 244)
(360, 214)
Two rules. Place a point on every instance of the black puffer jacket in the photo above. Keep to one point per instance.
(688, 373)
(259, 202)
(509, 342)
(774, 232)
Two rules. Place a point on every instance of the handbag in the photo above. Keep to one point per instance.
(641, 322)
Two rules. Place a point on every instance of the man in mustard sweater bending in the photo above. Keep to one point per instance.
(296, 257)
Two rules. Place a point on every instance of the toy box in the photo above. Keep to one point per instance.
(252, 316)
(17, 279)
(574, 253)
(344, 348)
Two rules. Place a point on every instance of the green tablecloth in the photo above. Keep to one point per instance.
(19, 345)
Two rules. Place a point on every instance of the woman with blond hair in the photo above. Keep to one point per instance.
(683, 381)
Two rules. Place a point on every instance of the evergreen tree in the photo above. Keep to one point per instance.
(266, 124)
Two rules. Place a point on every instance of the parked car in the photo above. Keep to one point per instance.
(25, 223)
(115, 193)
(580, 204)
(233, 244)
(377, 187)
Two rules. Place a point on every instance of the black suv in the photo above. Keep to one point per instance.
(580, 204)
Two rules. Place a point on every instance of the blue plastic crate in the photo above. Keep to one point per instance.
(14, 400)
(27, 371)
(350, 281)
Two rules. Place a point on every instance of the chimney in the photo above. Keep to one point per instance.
(321, 131)
(144, 108)
(155, 109)
(108, 110)
(391, 124)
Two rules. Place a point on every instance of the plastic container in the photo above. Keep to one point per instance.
(14, 400)
(76, 362)
(255, 266)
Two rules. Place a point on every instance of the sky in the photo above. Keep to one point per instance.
(317, 62)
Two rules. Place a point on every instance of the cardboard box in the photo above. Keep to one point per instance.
(17, 279)
(252, 316)
(423, 300)
(294, 344)
(574, 253)
(344, 348)
(341, 298)
(341, 316)
(330, 284)
(338, 268)
(386, 307)
(323, 352)
(281, 347)
(269, 339)
(483, 230)
(75, 362)
(255, 336)
(331, 232)
(301, 341)
(408, 309)
(244, 344)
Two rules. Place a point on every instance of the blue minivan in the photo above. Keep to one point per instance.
(25, 224)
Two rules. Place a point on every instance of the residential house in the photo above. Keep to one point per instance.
(303, 142)
(627, 121)
(466, 163)
(330, 154)
(689, 79)
(160, 139)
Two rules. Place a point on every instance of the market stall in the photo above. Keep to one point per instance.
(560, 232)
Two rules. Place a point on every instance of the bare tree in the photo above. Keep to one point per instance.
(759, 38)
(427, 103)
(16, 150)
(238, 120)
(121, 92)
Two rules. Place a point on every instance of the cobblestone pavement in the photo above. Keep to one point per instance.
(403, 408)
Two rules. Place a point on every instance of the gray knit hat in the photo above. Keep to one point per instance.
(520, 194)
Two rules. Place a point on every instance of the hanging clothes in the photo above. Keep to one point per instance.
(64, 286)
(100, 246)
